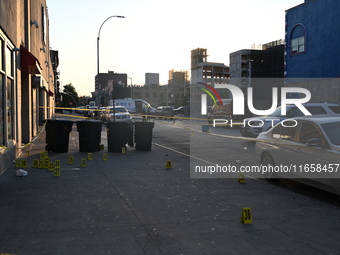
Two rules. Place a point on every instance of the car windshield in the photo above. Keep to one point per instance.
(332, 130)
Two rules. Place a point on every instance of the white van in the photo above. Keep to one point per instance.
(134, 106)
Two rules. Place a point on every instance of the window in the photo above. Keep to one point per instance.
(9, 109)
(277, 131)
(298, 39)
(7, 65)
(309, 131)
(316, 110)
(298, 45)
(288, 132)
(335, 109)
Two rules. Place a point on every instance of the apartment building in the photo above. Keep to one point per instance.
(27, 75)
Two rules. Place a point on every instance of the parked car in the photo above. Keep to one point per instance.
(179, 110)
(91, 112)
(80, 109)
(225, 112)
(164, 112)
(117, 114)
(306, 149)
(252, 127)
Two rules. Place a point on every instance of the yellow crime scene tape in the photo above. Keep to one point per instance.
(144, 116)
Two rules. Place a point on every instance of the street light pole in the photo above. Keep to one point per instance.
(98, 38)
(130, 86)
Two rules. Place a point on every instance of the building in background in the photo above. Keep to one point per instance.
(109, 86)
(210, 73)
(151, 79)
(312, 49)
(27, 75)
(175, 93)
(207, 72)
(261, 68)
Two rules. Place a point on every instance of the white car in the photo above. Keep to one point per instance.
(117, 114)
(306, 149)
(252, 127)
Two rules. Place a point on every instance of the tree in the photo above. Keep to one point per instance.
(70, 96)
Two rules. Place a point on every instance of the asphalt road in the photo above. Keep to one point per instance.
(224, 146)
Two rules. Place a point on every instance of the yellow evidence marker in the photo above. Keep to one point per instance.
(35, 163)
(168, 164)
(56, 171)
(83, 162)
(70, 160)
(17, 163)
(104, 157)
(246, 217)
(241, 178)
(89, 156)
(40, 163)
(23, 163)
(51, 166)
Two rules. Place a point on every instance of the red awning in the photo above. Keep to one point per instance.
(29, 63)
(50, 93)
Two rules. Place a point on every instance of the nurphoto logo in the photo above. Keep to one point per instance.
(238, 99)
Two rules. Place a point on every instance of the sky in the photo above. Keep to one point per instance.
(155, 36)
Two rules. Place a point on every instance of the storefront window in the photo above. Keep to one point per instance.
(9, 109)
(9, 62)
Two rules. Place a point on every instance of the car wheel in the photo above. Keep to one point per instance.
(267, 160)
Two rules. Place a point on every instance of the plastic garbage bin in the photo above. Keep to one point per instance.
(117, 136)
(89, 135)
(57, 134)
(143, 135)
(205, 128)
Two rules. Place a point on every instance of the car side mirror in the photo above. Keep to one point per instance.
(314, 142)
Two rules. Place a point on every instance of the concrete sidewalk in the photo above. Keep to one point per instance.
(133, 204)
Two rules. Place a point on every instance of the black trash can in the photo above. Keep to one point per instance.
(143, 135)
(89, 135)
(57, 135)
(117, 136)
